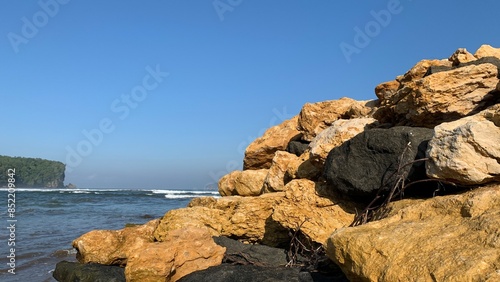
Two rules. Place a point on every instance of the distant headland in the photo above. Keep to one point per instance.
(32, 172)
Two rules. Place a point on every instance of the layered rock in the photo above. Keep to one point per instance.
(182, 252)
(259, 153)
(316, 117)
(467, 151)
(436, 91)
(243, 183)
(370, 160)
(451, 238)
(245, 218)
(448, 95)
(312, 209)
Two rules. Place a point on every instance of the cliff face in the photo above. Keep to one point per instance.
(32, 172)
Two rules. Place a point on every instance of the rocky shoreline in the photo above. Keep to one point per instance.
(400, 188)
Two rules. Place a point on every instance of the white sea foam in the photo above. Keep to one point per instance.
(184, 196)
(183, 192)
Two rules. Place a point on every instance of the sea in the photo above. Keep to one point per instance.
(44, 222)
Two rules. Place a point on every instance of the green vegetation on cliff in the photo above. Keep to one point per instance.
(32, 172)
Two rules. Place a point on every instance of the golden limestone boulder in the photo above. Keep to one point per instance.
(277, 177)
(315, 117)
(113, 247)
(447, 238)
(487, 51)
(466, 151)
(436, 91)
(448, 95)
(245, 218)
(308, 205)
(259, 154)
(243, 183)
(285, 167)
(340, 131)
(182, 252)
(461, 56)
(304, 167)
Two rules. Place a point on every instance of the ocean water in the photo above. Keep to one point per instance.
(48, 220)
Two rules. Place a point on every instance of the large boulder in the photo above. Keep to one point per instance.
(277, 176)
(467, 151)
(449, 238)
(370, 160)
(436, 91)
(245, 218)
(340, 131)
(113, 247)
(316, 117)
(260, 152)
(448, 95)
(182, 252)
(243, 183)
(90, 272)
(487, 51)
(312, 208)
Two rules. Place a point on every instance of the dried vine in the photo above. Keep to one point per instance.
(392, 188)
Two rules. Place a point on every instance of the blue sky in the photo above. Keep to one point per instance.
(171, 91)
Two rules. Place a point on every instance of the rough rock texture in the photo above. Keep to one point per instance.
(240, 253)
(466, 151)
(450, 238)
(303, 167)
(248, 273)
(113, 247)
(313, 208)
(260, 152)
(297, 147)
(243, 183)
(386, 90)
(314, 118)
(361, 164)
(461, 56)
(183, 251)
(277, 177)
(448, 95)
(245, 218)
(487, 51)
(92, 272)
(340, 131)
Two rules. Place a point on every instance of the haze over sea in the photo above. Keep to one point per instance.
(48, 220)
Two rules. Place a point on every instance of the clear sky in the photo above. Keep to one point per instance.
(168, 93)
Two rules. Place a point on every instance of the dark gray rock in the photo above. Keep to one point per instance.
(365, 163)
(76, 272)
(239, 253)
(253, 273)
(297, 147)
